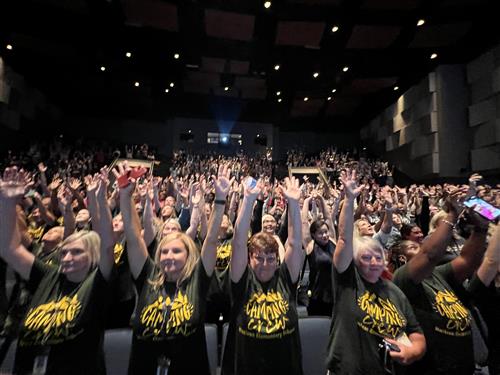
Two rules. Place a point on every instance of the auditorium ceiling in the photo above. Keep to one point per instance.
(301, 64)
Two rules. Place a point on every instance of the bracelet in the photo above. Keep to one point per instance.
(220, 201)
(449, 223)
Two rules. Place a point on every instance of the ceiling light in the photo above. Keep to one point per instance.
(433, 56)
(306, 99)
(267, 4)
(396, 88)
(420, 22)
(103, 68)
(226, 88)
(172, 84)
(329, 98)
(189, 131)
(279, 100)
(335, 28)
(315, 74)
(334, 90)
(176, 56)
(278, 93)
(9, 47)
(128, 54)
(167, 90)
(137, 84)
(276, 67)
(345, 68)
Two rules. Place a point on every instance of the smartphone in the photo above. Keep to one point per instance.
(391, 347)
(483, 208)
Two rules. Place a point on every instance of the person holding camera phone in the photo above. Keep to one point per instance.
(369, 313)
(437, 296)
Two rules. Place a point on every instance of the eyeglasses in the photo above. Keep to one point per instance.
(261, 259)
(367, 258)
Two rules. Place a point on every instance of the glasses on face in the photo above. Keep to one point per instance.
(261, 259)
(367, 258)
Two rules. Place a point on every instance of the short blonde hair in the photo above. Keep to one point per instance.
(366, 243)
(192, 258)
(91, 243)
(436, 218)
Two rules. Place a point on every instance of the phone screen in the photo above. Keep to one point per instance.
(483, 208)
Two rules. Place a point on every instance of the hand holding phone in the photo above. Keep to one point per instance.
(483, 208)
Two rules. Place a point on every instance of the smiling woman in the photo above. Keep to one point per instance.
(65, 321)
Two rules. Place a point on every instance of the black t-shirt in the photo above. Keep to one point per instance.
(445, 319)
(169, 322)
(364, 313)
(320, 274)
(487, 300)
(66, 317)
(263, 335)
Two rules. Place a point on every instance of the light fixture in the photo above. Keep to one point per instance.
(167, 90)
(103, 68)
(267, 4)
(172, 84)
(306, 99)
(396, 88)
(345, 68)
(315, 74)
(276, 67)
(279, 100)
(176, 56)
(226, 88)
(335, 28)
(278, 93)
(137, 84)
(420, 22)
(128, 54)
(258, 135)
(433, 56)
(189, 131)
(334, 90)
(329, 98)
(9, 47)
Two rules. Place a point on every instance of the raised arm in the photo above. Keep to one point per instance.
(239, 257)
(11, 249)
(342, 257)
(105, 226)
(490, 266)
(293, 254)
(148, 220)
(64, 196)
(196, 215)
(137, 251)
(306, 234)
(209, 248)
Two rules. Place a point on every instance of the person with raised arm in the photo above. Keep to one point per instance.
(370, 314)
(263, 336)
(63, 328)
(168, 323)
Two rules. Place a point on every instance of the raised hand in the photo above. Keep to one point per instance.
(251, 188)
(291, 189)
(64, 197)
(125, 183)
(348, 179)
(223, 182)
(73, 184)
(42, 168)
(13, 183)
(56, 182)
(91, 182)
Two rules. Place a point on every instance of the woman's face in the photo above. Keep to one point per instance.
(321, 236)
(370, 264)
(82, 217)
(416, 235)
(170, 228)
(173, 258)
(269, 225)
(75, 261)
(118, 224)
(166, 211)
(263, 264)
(224, 226)
(410, 250)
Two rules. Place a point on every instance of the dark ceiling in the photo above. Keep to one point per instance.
(60, 46)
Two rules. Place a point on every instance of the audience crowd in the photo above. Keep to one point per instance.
(409, 275)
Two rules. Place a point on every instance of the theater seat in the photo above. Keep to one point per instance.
(211, 337)
(117, 345)
(314, 332)
(7, 365)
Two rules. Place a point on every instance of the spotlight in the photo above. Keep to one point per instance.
(278, 93)
(128, 54)
(335, 28)
(420, 22)
(137, 84)
(103, 68)
(172, 84)
(276, 67)
(167, 90)
(306, 99)
(9, 47)
(224, 139)
(315, 74)
(279, 100)
(433, 56)
(334, 90)
(396, 88)
(176, 56)
(345, 68)
(226, 88)
(267, 4)
(329, 98)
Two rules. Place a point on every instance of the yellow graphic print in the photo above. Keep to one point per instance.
(447, 304)
(118, 251)
(223, 256)
(267, 316)
(382, 317)
(52, 320)
(167, 316)
(36, 232)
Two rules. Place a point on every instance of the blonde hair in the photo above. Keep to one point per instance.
(438, 216)
(173, 221)
(192, 258)
(366, 243)
(356, 232)
(91, 243)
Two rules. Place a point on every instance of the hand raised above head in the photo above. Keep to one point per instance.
(125, 182)
(348, 179)
(291, 189)
(13, 183)
(223, 182)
